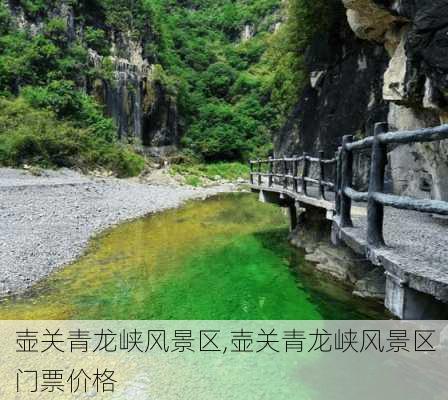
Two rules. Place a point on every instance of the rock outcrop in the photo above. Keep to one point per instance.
(344, 95)
(144, 111)
(387, 62)
(134, 94)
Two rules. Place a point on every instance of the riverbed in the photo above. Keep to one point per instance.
(226, 257)
(48, 219)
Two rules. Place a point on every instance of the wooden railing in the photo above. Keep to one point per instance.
(293, 173)
(375, 197)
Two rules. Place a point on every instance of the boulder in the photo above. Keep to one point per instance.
(369, 20)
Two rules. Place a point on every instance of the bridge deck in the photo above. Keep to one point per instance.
(417, 243)
(311, 200)
(416, 252)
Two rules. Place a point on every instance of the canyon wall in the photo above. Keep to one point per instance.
(133, 94)
(143, 109)
(380, 61)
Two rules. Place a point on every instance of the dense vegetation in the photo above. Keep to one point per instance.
(232, 93)
(45, 117)
(287, 48)
(223, 84)
(35, 136)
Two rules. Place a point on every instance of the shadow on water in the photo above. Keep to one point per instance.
(223, 258)
(333, 299)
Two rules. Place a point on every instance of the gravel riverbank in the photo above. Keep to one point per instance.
(47, 221)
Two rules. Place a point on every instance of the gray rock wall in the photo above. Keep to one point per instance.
(415, 84)
(343, 96)
(144, 111)
(389, 63)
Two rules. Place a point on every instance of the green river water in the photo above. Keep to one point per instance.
(223, 258)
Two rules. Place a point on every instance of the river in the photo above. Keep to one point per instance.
(222, 258)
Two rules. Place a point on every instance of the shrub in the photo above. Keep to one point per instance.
(245, 84)
(66, 101)
(35, 136)
(5, 18)
(56, 30)
(35, 7)
(219, 77)
(59, 96)
(285, 54)
(96, 39)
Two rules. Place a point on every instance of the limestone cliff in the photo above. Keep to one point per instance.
(144, 110)
(133, 92)
(387, 60)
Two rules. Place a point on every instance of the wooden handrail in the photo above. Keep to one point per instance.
(375, 197)
(402, 137)
(356, 196)
(343, 181)
(286, 170)
(289, 159)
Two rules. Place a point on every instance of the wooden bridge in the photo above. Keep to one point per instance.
(415, 254)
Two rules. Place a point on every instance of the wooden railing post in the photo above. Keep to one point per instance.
(321, 175)
(259, 172)
(295, 172)
(337, 181)
(346, 182)
(251, 165)
(375, 210)
(271, 172)
(305, 173)
(285, 172)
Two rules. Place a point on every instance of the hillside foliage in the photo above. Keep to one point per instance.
(233, 93)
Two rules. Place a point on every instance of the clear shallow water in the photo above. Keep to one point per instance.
(223, 258)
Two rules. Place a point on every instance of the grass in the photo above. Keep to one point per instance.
(198, 174)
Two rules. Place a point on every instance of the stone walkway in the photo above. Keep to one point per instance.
(416, 249)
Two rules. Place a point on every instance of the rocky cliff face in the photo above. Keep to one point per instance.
(144, 111)
(386, 61)
(134, 95)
